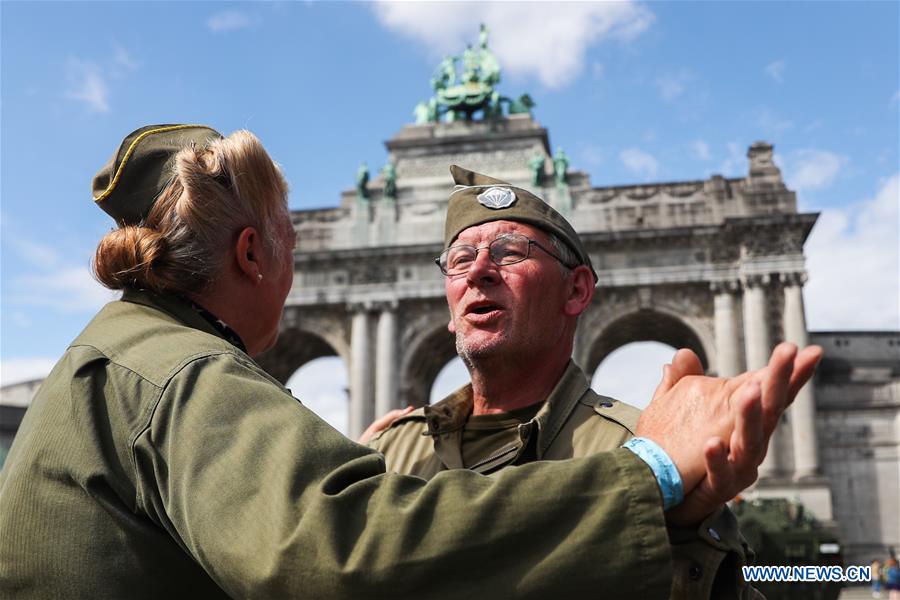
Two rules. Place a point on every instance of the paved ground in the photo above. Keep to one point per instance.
(859, 593)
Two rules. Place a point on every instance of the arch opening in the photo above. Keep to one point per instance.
(625, 359)
(322, 386)
(423, 361)
(452, 376)
(295, 348)
(645, 326)
(631, 372)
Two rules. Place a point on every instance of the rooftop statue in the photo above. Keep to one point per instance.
(390, 180)
(362, 180)
(461, 95)
(560, 166)
(445, 74)
(536, 165)
(522, 105)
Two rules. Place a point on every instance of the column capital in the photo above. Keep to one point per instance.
(359, 306)
(797, 278)
(384, 305)
(725, 286)
(756, 280)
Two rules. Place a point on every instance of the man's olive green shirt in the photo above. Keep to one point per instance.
(573, 422)
(159, 461)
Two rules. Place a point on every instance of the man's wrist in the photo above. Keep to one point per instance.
(665, 471)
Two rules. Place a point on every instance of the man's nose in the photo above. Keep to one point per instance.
(483, 270)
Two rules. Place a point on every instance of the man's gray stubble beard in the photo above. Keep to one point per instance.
(473, 357)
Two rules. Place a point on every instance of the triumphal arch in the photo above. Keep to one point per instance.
(713, 264)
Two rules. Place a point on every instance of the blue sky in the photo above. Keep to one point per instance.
(632, 91)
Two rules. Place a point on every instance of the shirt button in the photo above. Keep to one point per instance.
(606, 404)
(714, 534)
(695, 572)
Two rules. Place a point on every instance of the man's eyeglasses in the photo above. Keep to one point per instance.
(508, 249)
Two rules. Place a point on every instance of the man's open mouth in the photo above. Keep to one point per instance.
(484, 309)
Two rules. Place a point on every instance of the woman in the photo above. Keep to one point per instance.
(159, 460)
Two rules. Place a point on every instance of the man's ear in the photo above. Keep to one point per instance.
(247, 251)
(581, 291)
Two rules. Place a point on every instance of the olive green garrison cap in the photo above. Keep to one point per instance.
(128, 185)
(478, 199)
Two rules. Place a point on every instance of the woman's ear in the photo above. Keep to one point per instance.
(247, 250)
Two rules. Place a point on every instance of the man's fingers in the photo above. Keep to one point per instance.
(684, 363)
(718, 471)
(748, 441)
(666, 383)
(804, 367)
(775, 381)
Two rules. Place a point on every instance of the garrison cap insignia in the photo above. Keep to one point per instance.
(497, 198)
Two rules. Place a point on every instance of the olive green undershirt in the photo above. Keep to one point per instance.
(487, 434)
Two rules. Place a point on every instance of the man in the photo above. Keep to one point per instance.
(517, 279)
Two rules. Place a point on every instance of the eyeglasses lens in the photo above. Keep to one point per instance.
(505, 250)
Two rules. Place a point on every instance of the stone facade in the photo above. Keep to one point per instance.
(858, 424)
(715, 265)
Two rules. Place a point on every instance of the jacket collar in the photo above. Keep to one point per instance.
(187, 312)
(445, 419)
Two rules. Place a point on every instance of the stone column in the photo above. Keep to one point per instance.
(361, 410)
(803, 411)
(386, 396)
(757, 348)
(727, 351)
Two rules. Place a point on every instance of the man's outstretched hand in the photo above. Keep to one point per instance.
(717, 430)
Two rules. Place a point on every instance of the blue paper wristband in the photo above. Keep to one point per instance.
(663, 468)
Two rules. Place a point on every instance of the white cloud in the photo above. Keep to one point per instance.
(639, 162)
(67, 289)
(776, 69)
(813, 169)
(672, 85)
(88, 80)
(86, 84)
(526, 39)
(772, 123)
(53, 280)
(853, 259)
(701, 150)
(35, 253)
(18, 370)
(895, 99)
(591, 154)
(736, 162)
(231, 20)
(814, 126)
(20, 319)
(123, 60)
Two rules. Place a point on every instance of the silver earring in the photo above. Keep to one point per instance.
(259, 276)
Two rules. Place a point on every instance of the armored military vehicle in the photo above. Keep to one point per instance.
(781, 532)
